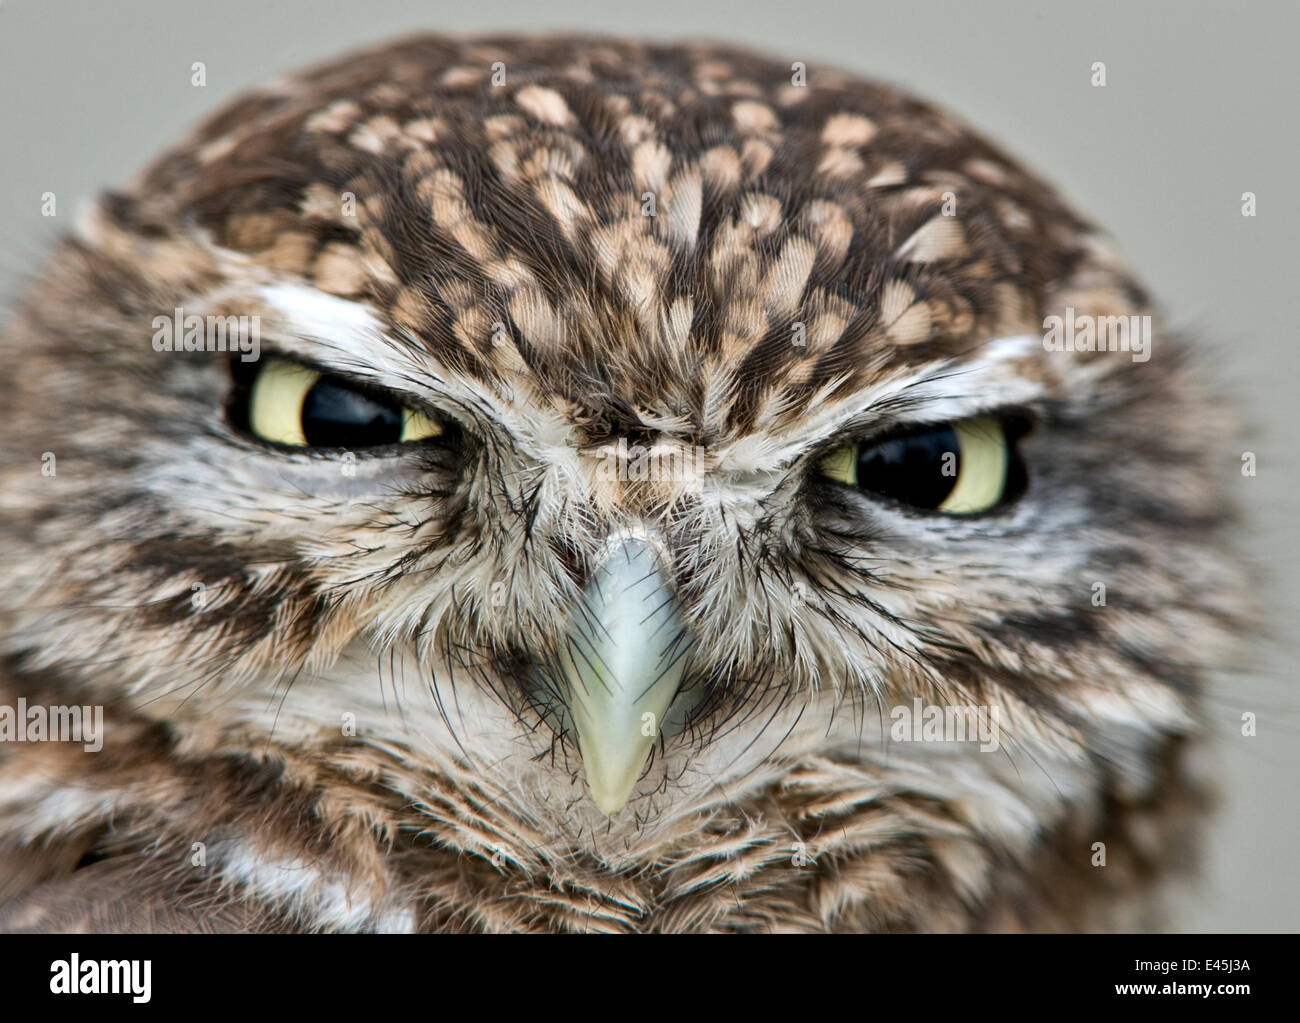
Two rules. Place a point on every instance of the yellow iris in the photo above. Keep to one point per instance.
(983, 458)
(275, 404)
(279, 392)
(418, 426)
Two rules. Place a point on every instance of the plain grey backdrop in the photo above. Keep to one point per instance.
(1199, 107)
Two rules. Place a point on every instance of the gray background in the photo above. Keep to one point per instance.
(1200, 106)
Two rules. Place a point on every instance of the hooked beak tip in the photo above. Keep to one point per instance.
(621, 667)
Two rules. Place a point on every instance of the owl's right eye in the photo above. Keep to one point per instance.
(294, 405)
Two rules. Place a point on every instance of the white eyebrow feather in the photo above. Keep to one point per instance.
(342, 334)
(314, 313)
(944, 390)
(349, 335)
(318, 324)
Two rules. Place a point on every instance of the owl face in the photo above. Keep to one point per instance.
(603, 442)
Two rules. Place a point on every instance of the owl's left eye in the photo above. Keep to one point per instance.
(291, 404)
(960, 468)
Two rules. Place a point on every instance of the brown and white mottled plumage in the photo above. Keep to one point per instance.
(481, 249)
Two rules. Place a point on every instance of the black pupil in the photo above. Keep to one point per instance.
(335, 416)
(912, 469)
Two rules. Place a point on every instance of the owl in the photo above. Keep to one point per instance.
(570, 484)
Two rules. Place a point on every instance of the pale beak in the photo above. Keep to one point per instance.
(620, 666)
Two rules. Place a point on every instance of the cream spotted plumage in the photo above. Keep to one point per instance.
(549, 246)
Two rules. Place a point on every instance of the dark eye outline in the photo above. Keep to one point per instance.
(1015, 424)
(239, 410)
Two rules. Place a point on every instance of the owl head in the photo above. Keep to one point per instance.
(622, 450)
